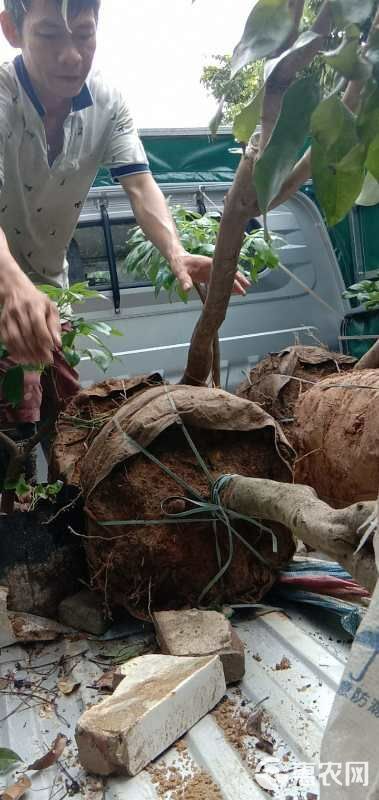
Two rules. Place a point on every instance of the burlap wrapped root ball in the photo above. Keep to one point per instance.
(280, 379)
(338, 438)
(168, 565)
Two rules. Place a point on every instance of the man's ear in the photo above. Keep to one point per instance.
(11, 33)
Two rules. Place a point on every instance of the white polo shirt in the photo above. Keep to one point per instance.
(40, 204)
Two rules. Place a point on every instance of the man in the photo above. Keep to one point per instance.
(58, 124)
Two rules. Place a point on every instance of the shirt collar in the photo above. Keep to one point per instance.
(82, 100)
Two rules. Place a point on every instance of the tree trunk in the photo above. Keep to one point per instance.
(239, 208)
(333, 531)
(370, 360)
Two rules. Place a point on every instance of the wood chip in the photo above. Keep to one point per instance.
(265, 745)
(254, 723)
(66, 686)
(52, 756)
(16, 790)
(284, 664)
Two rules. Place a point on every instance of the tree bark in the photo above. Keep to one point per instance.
(333, 531)
(370, 360)
(216, 359)
(238, 210)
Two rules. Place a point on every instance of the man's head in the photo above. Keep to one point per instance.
(58, 51)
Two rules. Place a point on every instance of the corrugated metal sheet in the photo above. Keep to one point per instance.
(216, 759)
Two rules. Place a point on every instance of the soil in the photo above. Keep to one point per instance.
(79, 424)
(266, 386)
(339, 438)
(35, 548)
(168, 566)
(185, 781)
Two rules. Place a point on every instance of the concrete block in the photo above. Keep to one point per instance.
(201, 633)
(159, 700)
(84, 611)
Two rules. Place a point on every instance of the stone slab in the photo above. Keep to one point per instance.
(200, 633)
(159, 700)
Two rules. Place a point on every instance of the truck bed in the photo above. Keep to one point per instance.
(217, 759)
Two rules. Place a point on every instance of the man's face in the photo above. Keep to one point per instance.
(58, 60)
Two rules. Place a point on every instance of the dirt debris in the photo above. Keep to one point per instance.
(16, 790)
(232, 723)
(184, 781)
(283, 664)
(254, 722)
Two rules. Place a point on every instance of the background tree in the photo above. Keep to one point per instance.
(237, 92)
(215, 78)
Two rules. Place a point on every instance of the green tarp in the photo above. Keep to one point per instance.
(364, 323)
(187, 158)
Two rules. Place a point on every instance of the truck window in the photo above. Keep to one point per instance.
(87, 255)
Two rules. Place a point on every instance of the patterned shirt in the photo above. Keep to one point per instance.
(40, 204)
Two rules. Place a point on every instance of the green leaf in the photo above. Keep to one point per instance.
(101, 327)
(338, 184)
(247, 120)
(337, 158)
(372, 52)
(372, 161)
(68, 338)
(3, 351)
(288, 137)
(8, 759)
(72, 357)
(52, 291)
(19, 486)
(333, 126)
(368, 118)
(13, 386)
(346, 59)
(352, 11)
(181, 293)
(267, 28)
(102, 358)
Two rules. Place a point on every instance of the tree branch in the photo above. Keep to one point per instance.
(239, 207)
(216, 365)
(9, 444)
(333, 531)
(370, 360)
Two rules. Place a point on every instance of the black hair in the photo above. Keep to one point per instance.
(19, 8)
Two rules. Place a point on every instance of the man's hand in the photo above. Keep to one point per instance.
(190, 269)
(29, 323)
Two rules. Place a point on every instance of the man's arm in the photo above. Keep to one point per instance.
(29, 321)
(153, 215)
